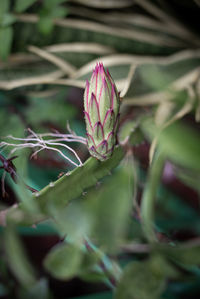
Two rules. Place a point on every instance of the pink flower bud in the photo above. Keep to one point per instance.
(101, 103)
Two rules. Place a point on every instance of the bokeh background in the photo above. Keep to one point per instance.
(48, 48)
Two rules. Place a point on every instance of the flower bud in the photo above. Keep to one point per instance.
(101, 104)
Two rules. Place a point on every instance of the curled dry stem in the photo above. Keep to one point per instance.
(39, 142)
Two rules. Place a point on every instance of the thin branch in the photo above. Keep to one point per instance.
(45, 78)
(132, 19)
(114, 31)
(136, 248)
(128, 81)
(105, 3)
(63, 65)
(121, 59)
(80, 48)
(157, 97)
(169, 20)
(54, 78)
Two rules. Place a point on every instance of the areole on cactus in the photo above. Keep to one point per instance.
(101, 104)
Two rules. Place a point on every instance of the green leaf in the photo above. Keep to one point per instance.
(190, 178)
(139, 282)
(149, 196)
(63, 261)
(17, 259)
(182, 144)
(155, 76)
(96, 266)
(45, 24)
(47, 15)
(103, 213)
(161, 267)
(179, 142)
(185, 254)
(50, 4)
(111, 206)
(42, 111)
(39, 290)
(8, 19)
(72, 221)
(22, 5)
(59, 12)
(130, 132)
(4, 7)
(12, 125)
(6, 36)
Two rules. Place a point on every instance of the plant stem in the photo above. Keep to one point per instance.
(149, 197)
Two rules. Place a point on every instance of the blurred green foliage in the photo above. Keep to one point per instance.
(130, 224)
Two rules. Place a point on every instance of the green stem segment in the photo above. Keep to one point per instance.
(149, 196)
(59, 193)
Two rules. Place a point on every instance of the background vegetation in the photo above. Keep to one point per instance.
(127, 228)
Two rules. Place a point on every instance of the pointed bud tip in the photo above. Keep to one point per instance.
(99, 68)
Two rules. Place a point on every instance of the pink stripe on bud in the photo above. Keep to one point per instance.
(94, 102)
(101, 90)
(116, 122)
(109, 76)
(103, 145)
(97, 154)
(109, 116)
(90, 138)
(88, 118)
(110, 135)
(112, 95)
(99, 129)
